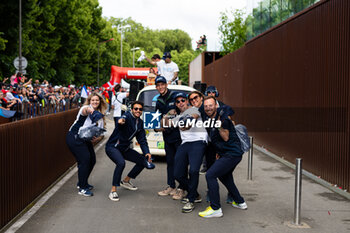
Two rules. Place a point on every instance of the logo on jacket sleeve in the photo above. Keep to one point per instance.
(151, 120)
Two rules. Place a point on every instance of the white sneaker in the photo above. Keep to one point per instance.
(242, 206)
(113, 196)
(188, 207)
(128, 185)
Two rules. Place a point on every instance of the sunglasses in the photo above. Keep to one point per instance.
(138, 109)
(211, 91)
(181, 100)
(194, 98)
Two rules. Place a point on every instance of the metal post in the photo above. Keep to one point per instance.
(20, 37)
(250, 159)
(121, 48)
(98, 64)
(297, 196)
(133, 58)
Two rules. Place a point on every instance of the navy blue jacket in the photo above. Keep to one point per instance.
(123, 134)
(164, 104)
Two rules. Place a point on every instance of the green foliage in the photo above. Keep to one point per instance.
(232, 31)
(269, 13)
(61, 40)
(2, 42)
(183, 60)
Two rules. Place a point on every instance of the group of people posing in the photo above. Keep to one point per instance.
(194, 126)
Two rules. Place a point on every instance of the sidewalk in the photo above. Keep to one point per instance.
(270, 199)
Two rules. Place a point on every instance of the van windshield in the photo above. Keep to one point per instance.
(149, 98)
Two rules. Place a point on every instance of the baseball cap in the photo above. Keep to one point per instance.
(180, 94)
(166, 54)
(160, 79)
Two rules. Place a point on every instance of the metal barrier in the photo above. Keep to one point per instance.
(33, 154)
(30, 110)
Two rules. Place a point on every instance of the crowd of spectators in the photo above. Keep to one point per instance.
(35, 98)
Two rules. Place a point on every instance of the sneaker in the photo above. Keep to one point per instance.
(128, 185)
(210, 213)
(180, 193)
(89, 186)
(85, 192)
(242, 206)
(203, 171)
(229, 199)
(188, 207)
(113, 196)
(197, 200)
(168, 191)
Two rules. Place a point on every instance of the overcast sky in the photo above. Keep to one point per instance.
(196, 17)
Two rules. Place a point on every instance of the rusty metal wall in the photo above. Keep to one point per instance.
(290, 86)
(33, 154)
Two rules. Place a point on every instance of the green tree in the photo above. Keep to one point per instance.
(232, 31)
(175, 40)
(183, 59)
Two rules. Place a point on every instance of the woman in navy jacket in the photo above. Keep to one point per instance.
(118, 149)
(83, 150)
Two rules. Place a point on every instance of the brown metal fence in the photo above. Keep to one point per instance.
(33, 154)
(290, 86)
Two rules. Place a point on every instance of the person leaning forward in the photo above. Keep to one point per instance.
(118, 149)
(229, 154)
(190, 152)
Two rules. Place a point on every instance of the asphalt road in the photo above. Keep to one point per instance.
(270, 199)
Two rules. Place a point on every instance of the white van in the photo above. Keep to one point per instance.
(148, 96)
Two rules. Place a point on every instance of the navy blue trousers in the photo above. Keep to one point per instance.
(222, 169)
(85, 156)
(119, 158)
(170, 151)
(189, 153)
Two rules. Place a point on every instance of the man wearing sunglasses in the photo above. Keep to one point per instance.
(166, 106)
(191, 152)
(117, 148)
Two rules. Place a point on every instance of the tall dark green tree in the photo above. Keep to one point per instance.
(61, 40)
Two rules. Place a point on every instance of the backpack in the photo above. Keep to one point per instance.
(242, 134)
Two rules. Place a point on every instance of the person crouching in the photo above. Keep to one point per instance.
(117, 148)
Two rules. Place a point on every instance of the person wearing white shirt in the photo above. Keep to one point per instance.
(117, 102)
(190, 152)
(169, 69)
(156, 61)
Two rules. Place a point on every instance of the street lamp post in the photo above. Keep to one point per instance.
(133, 55)
(20, 37)
(121, 30)
(98, 59)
